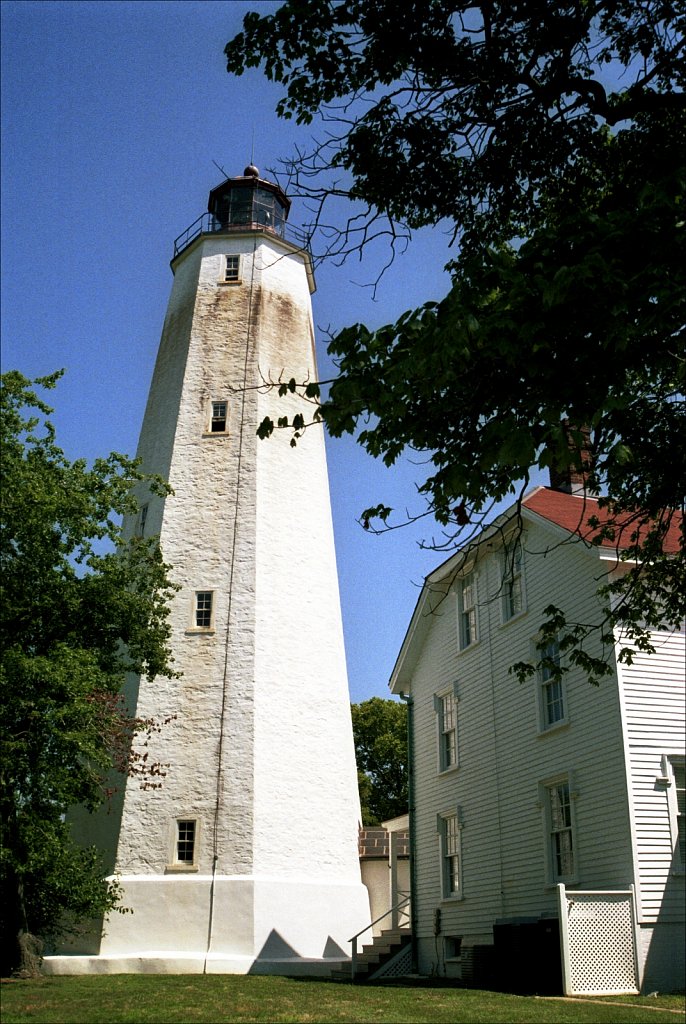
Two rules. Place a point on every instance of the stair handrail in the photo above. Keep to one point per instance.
(391, 910)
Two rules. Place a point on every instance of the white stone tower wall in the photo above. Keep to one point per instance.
(260, 750)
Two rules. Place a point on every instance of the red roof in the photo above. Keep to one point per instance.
(572, 512)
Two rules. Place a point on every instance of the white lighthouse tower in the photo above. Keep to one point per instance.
(246, 859)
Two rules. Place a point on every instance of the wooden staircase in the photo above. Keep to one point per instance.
(373, 958)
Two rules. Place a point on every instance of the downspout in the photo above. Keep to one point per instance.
(407, 699)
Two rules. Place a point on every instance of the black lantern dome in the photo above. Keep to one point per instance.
(248, 203)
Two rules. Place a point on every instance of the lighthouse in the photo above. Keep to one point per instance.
(246, 858)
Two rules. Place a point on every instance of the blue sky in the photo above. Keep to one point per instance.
(113, 113)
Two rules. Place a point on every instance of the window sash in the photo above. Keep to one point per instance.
(512, 582)
(561, 837)
(448, 708)
(203, 609)
(185, 841)
(450, 839)
(552, 694)
(679, 775)
(553, 702)
(218, 422)
(232, 268)
(467, 611)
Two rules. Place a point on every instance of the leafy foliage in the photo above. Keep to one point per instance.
(81, 607)
(380, 730)
(550, 141)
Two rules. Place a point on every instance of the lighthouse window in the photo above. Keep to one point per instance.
(232, 268)
(185, 842)
(203, 609)
(218, 424)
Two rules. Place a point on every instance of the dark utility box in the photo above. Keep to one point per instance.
(527, 956)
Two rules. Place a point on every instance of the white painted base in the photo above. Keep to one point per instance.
(186, 924)
(187, 963)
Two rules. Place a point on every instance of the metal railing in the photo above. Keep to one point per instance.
(395, 911)
(207, 224)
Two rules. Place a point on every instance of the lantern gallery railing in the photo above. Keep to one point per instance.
(208, 224)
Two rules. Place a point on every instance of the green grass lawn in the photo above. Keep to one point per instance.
(211, 999)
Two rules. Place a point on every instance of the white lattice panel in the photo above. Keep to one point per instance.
(601, 943)
(399, 966)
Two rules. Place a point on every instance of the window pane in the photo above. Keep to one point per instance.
(564, 856)
(561, 830)
(203, 608)
(448, 731)
(185, 843)
(559, 806)
(554, 710)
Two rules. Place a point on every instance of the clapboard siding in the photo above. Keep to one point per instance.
(653, 697)
(503, 757)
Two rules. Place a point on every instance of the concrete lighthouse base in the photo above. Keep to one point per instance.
(223, 926)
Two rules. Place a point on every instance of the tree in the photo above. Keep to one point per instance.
(380, 730)
(81, 607)
(550, 140)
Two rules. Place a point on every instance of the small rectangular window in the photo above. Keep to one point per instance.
(142, 519)
(185, 841)
(232, 267)
(203, 609)
(218, 420)
(513, 597)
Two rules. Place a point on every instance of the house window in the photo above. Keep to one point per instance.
(560, 827)
(218, 418)
(203, 609)
(446, 708)
(513, 596)
(550, 693)
(451, 858)
(467, 611)
(185, 841)
(674, 772)
(232, 268)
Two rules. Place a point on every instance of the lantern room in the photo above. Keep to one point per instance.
(248, 203)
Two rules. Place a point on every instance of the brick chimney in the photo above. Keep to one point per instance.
(573, 478)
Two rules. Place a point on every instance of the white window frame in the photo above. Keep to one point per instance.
(551, 689)
(675, 807)
(446, 707)
(513, 603)
(198, 606)
(229, 275)
(449, 828)
(176, 864)
(467, 619)
(554, 829)
(212, 417)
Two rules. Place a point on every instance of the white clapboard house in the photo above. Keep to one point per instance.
(547, 816)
